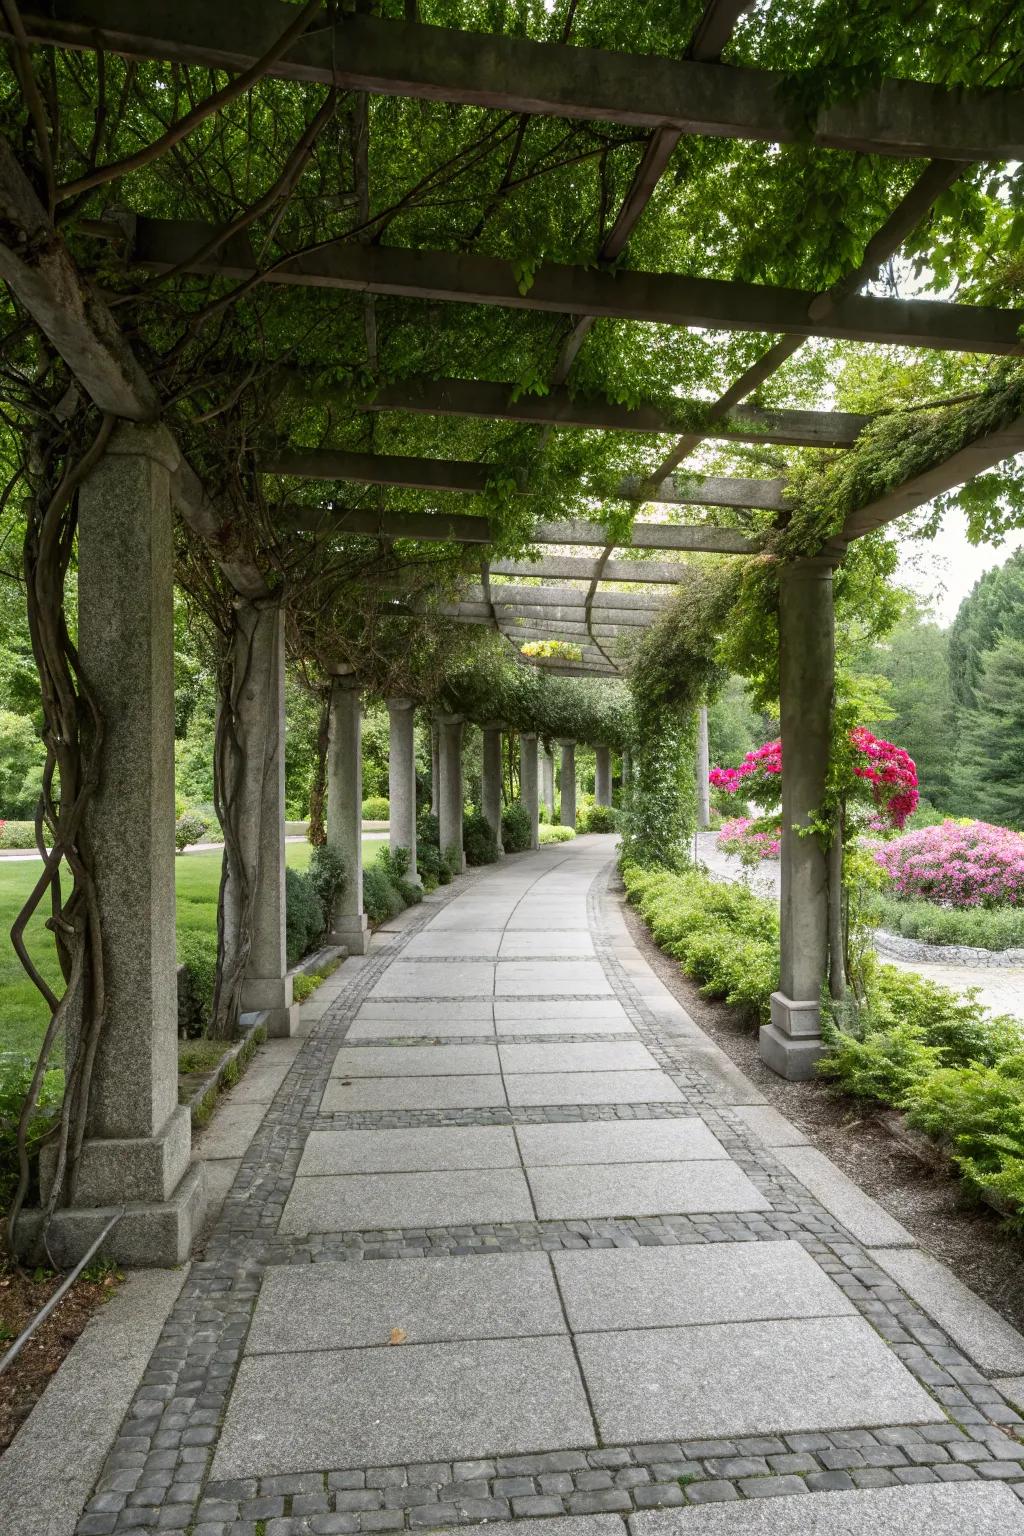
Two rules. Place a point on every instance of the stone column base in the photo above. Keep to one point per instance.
(148, 1234)
(791, 1044)
(272, 995)
(352, 932)
(141, 1169)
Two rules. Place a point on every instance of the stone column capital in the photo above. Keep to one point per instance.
(144, 440)
(566, 741)
(401, 702)
(450, 719)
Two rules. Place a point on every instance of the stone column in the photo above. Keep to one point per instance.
(435, 768)
(547, 764)
(402, 780)
(259, 660)
(567, 813)
(138, 1138)
(528, 783)
(345, 811)
(490, 781)
(791, 1043)
(603, 776)
(703, 769)
(450, 788)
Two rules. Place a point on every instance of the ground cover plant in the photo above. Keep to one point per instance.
(994, 928)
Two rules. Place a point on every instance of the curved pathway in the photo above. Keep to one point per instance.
(514, 1240)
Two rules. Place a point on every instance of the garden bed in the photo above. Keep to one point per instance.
(218, 1065)
(902, 948)
(923, 1192)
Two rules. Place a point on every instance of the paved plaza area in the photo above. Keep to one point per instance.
(513, 1243)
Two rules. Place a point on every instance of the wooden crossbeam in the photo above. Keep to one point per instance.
(446, 527)
(721, 541)
(561, 597)
(37, 267)
(486, 399)
(472, 478)
(511, 74)
(662, 297)
(582, 568)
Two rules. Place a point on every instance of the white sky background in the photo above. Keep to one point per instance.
(944, 569)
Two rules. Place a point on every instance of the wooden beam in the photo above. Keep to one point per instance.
(583, 568)
(720, 541)
(662, 297)
(976, 459)
(488, 400)
(37, 267)
(511, 74)
(446, 527)
(547, 597)
(471, 478)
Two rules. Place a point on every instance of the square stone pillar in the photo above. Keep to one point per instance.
(402, 780)
(603, 775)
(547, 767)
(490, 781)
(259, 642)
(627, 766)
(528, 783)
(791, 1044)
(435, 768)
(567, 810)
(703, 768)
(451, 794)
(345, 812)
(138, 1138)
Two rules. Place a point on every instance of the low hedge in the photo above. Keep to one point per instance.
(516, 831)
(725, 937)
(555, 834)
(978, 927)
(18, 834)
(598, 818)
(376, 808)
(479, 839)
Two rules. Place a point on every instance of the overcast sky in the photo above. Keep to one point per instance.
(944, 569)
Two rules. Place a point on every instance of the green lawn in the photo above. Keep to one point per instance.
(23, 1014)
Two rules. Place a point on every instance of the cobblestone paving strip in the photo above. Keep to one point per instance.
(156, 1476)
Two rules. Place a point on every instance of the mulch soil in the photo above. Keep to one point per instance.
(22, 1293)
(922, 1192)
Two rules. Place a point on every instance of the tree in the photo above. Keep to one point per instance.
(994, 744)
(21, 766)
(914, 660)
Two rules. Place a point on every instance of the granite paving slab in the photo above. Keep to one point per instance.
(363, 1202)
(420, 1029)
(415, 1402)
(422, 978)
(413, 1093)
(338, 1306)
(930, 1509)
(569, 1024)
(725, 1379)
(455, 944)
(990, 1341)
(847, 1202)
(615, 1056)
(675, 1287)
(510, 1010)
(427, 1009)
(642, 1189)
(523, 978)
(415, 1061)
(618, 1141)
(409, 1151)
(591, 1088)
(565, 943)
(771, 1128)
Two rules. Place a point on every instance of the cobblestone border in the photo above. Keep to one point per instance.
(155, 1475)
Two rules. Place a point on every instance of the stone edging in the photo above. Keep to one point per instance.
(902, 948)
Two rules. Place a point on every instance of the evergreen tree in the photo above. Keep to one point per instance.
(994, 744)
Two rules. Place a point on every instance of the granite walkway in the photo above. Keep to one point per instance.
(514, 1243)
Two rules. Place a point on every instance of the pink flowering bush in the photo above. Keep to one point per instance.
(977, 865)
(749, 839)
(885, 772)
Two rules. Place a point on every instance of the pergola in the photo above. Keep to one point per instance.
(77, 266)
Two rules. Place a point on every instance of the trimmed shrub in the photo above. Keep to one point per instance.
(980, 927)
(380, 898)
(515, 828)
(598, 818)
(376, 808)
(328, 875)
(188, 829)
(197, 954)
(556, 834)
(972, 865)
(479, 841)
(17, 834)
(428, 828)
(304, 916)
(395, 864)
(428, 865)
(16, 1072)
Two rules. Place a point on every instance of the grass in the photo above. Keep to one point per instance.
(23, 1014)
